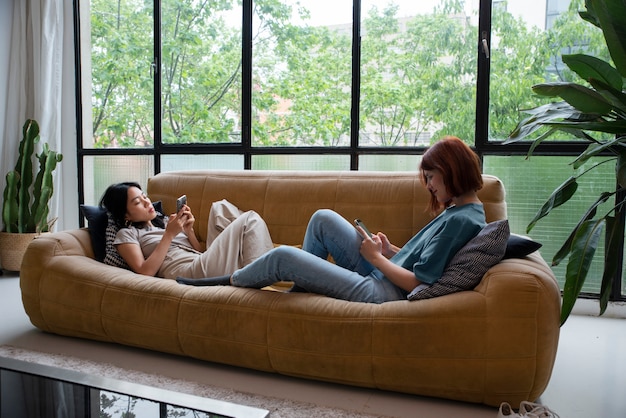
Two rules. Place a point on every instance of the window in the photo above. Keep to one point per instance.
(260, 84)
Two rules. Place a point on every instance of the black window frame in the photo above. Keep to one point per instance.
(482, 145)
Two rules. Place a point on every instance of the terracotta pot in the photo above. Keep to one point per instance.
(12, 249)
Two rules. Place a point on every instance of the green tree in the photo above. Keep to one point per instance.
(520, 56)
(418, 75)
(302, 80)
(201, 72)
(121, 53)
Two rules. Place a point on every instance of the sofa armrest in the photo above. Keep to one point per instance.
(522, 294)
(70, 248)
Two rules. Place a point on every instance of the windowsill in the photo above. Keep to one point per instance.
(591, 307)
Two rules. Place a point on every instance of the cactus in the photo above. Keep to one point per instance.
(18, 214)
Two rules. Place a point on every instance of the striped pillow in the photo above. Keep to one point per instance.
(470, 263)
(112, 257)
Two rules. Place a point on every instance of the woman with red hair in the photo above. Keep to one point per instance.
(367, 267)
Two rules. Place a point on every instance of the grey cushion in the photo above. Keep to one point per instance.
(470, 263)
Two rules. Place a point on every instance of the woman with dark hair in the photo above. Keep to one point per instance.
(368, 268)
(157, 245)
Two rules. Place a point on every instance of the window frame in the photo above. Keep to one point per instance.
(482, 145)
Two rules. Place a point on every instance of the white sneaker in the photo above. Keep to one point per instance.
(506, 411)
(535, 410)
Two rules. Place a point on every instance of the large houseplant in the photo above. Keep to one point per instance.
(590, 111)
(25, 207)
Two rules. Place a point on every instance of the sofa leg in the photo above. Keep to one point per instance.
(208, 281)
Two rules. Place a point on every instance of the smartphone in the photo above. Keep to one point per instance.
(362, 225)
(180, 202)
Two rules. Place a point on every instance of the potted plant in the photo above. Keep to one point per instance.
(590, 111)
(25, 208)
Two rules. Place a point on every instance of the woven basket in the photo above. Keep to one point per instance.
(12, 249)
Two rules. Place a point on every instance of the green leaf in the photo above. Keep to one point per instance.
(611, 15)
(590, 14)
(539, 140)
(593, 150)
(611, 258)
(584, 247)
(590, 214)
(559, 196)
(588, 67)
(582, 98)
(612, 127)
(539, 116)
(615, 96)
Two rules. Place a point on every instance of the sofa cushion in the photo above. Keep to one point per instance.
(470, 263)
(519, 247)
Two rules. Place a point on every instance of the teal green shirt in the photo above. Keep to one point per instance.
(428, 253)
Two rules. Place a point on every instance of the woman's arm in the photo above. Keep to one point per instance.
(388, 249)
(372, 250)
(188, 229)
(132, 254)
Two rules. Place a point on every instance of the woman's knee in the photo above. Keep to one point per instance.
(284, 253)
(324, 219)
(322, 215)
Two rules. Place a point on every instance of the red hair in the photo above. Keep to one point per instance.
(458, 165)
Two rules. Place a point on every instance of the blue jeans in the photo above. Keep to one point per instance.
(350, 277)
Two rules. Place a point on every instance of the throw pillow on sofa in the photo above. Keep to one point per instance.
(112, 257)
(96, 224)
(470, 263)
(519, 246)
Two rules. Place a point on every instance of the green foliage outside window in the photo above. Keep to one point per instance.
(418, 75)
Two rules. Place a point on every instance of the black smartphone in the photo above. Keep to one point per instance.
(180, 202)
(362, 225)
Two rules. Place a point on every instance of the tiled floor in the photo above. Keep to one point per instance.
(588, 381)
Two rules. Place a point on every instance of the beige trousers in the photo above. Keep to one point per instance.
(234, 240)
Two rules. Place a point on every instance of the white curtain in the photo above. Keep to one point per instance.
(40, 78)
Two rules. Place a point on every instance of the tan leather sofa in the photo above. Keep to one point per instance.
(495, 343)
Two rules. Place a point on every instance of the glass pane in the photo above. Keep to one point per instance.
(418, 71)
(527, 41)
(389, 162)
(201, 71)
(122, 106)
(301, 73)
(177, 412)
(301, 162)
(102, 171)
(529, 183)
(122, 406)
(201, 162)
(26, 395)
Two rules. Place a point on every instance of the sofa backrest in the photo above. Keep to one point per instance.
(392, 202)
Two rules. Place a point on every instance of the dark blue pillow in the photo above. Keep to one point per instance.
(519, 247)
(97, 225)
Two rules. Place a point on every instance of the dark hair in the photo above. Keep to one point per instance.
(115, 200)
(458, 165)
